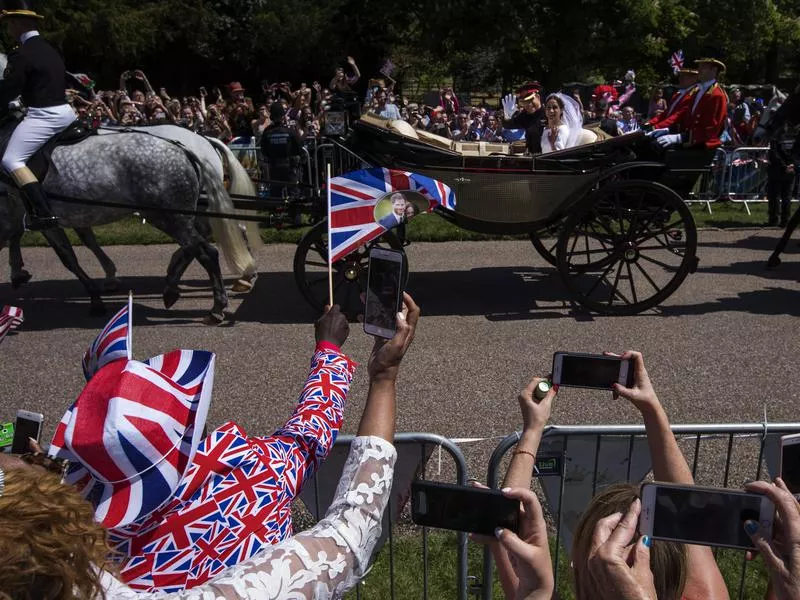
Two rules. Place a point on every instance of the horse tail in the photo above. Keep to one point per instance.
(226, 231)
(241, 185)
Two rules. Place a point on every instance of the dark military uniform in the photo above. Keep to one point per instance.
(281, 148)
(533, 124)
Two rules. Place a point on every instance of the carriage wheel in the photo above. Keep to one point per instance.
(547, 247)
(627, 247)
(349, 273)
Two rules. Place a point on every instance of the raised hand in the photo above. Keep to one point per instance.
(332, 326)
(384, 362)
(509, 105)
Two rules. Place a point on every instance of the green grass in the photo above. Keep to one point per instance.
(408, 571)
(428, 228)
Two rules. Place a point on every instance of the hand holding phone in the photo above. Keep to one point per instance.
(27, 426)
(706, 516)
(463, 508)
(384, 292)
(594, 371)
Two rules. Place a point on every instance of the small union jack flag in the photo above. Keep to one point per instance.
(133, 431)
(10, 318)
(353, 197)
(676, 61)
(114, 342)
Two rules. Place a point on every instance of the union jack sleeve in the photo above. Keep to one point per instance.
(309, 434)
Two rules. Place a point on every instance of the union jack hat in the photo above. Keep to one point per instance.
(133, 432)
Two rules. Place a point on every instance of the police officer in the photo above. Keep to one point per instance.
(281, 148)
(36, 72)
(531, 118)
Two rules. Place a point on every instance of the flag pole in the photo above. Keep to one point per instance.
(330, 244)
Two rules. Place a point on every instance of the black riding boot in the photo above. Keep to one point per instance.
(38, 208)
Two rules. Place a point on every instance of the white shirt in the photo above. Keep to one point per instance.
(27, 35)
(702, 89)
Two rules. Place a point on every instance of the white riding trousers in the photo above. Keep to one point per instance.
(38, 126)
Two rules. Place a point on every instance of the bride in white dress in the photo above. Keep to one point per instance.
(564, 123)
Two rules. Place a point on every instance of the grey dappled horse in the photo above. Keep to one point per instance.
(215, 153)
(144, 172)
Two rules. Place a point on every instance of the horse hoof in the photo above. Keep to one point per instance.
(111, 285)
(97, 309)
(171, 297)
(242, 286)
(213, 319)
(774, 262)
(20, 279)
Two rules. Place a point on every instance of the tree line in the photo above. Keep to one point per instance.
(185, 43)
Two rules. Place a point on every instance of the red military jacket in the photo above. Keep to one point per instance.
(682, 101)
(701, 124)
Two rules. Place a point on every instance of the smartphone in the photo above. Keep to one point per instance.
(593, 371)
(790, 462)
(27, 425)
(384, 293)
(705, 516)
(462, 508)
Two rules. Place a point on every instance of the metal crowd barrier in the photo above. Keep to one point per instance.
(580, 460)
(413, 452)
(747, 174)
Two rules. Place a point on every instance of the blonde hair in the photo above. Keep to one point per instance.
(52, 548)
(667, 559)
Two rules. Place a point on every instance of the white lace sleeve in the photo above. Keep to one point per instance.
(323, 562)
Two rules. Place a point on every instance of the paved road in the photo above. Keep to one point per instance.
(720, 349)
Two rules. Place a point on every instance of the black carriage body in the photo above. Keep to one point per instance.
(609, 214)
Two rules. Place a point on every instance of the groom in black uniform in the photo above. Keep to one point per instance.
(36, 72)
(531, 118)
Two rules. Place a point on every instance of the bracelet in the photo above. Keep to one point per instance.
(531, 454)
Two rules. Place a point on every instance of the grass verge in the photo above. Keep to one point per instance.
(429, 228)
(409, 568)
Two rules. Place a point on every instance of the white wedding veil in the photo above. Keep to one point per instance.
(572, 117)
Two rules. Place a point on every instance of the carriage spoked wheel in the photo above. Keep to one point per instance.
(546, 241)
(349, 273)
(627, 247)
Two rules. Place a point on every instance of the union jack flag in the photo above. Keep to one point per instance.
(236, 496)
(10, 318)
(353, 197)
(676, 61)
(114, 342)
(131, 435)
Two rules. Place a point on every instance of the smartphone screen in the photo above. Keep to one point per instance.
(790, 465)
(25, 428)
(590, 371)
(383, 292)
(705, 517)
(462, 508)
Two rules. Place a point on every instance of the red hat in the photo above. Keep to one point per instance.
(528, 89)
(235, 86)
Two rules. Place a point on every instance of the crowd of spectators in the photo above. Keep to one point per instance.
(231, 111)
(55, 547)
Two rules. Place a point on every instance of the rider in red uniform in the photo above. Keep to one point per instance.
(687, 85)
(700, 120)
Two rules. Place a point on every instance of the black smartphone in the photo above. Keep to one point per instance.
(593, 371)
(462, 508)
(28, 425)
(384, 293)
(707, 516)
(790, 462)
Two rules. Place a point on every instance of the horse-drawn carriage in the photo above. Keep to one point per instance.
(609, 215)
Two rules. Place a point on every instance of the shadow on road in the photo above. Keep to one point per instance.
(497, 293)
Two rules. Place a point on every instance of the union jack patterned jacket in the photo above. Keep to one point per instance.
(235, 498)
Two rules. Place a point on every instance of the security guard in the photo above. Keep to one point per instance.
(281, 147)
(36, 71)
